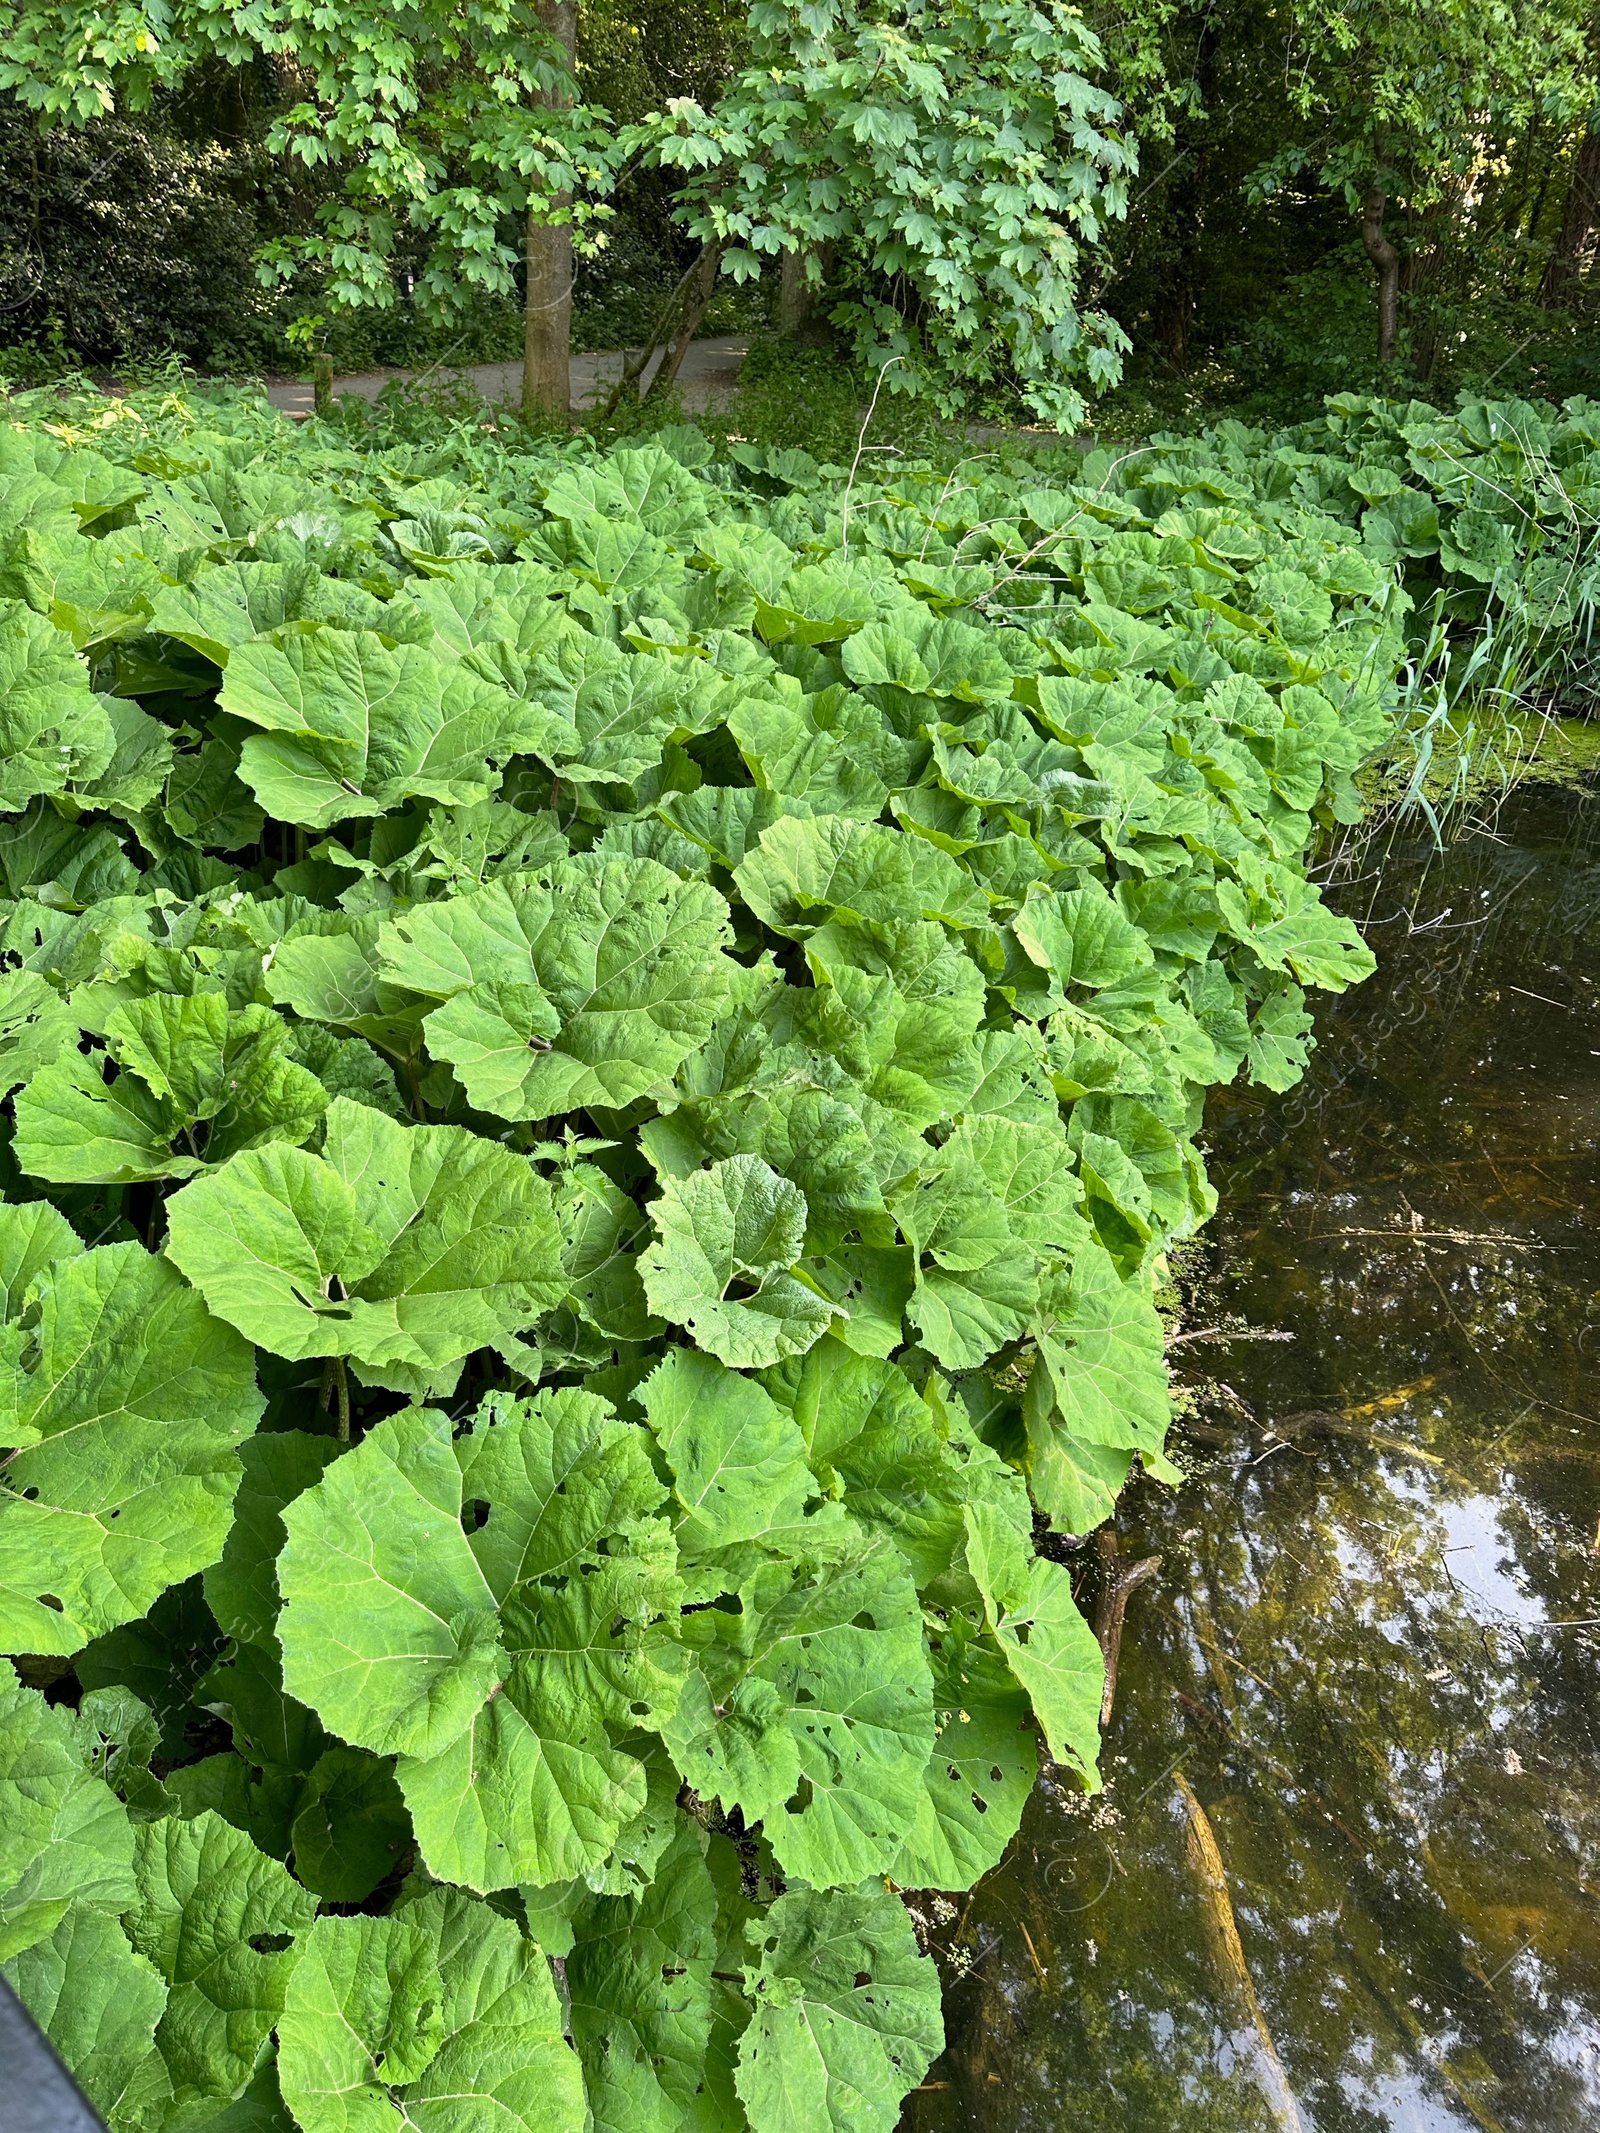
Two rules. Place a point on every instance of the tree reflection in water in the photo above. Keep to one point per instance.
(1373, 1650)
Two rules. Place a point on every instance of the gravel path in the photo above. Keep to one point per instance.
(710, 371)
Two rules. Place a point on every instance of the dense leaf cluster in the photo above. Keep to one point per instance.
(604, 1051)
(957, 154)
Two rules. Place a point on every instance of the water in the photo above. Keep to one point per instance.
(1372, 1651)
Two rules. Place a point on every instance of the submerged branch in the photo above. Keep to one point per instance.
(1228, 1965)
(1117, 1580)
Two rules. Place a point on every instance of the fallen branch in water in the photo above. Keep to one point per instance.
(1228, 1965)
(1229, 1333)
(1117, 1580)
(1314, 1422)
(1290, 1789)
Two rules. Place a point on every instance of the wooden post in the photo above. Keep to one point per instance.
(322, 382)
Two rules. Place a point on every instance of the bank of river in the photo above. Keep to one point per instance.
(1346, 1871)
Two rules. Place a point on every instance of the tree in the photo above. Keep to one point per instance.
(458, 121)
(547, 300)
(1582, 209)
(955, 157)
(1400, 103)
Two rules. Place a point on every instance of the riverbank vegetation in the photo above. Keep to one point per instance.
(606, 1047)
(606, 1031)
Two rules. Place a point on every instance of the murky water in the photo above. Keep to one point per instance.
(1346, 1873)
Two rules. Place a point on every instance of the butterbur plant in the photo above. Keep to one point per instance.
(598, 1080)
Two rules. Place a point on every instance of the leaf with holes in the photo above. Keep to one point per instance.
(846, 2013)
(410, 1245)
(982, 1768)
(129, 1401)
(224, 1925)
(811, 1709)
(640, 1979)
(1045, 1641)
(483, 1607)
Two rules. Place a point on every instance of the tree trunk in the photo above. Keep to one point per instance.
(1578, 220)
(1429, 278)
(547, 308)
(1382, 253)
(696, 300)
(794, 297)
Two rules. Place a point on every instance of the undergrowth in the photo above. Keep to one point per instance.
(604, 1050)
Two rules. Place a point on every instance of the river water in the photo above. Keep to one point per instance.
(1345, 1874)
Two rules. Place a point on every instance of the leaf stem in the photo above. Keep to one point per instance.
(335, 1381)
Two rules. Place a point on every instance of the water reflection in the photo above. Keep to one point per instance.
(1367, 1672)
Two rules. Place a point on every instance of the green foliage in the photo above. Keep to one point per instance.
(394, 100)
(549, 1280)
(958, 155)
(1241, 276)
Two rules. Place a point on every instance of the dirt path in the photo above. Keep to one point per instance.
(710, 371)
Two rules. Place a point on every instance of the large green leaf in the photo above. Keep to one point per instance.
(226, 607)
(640, 1979)
(829, 751)
(388, 1627)
(326, 968)
(36, 1027)
(54, 731)
(1321, 947)
(409, 1245)
(73, 1128)
(846, 2014)
(222, 1923)
(1098, 1387)
(1047, 1644)
(503, 2064)
(738, 1462)
(484, 1606)
(64, 1834)
(441, 2017)
(905, 1462)
(721, 1265)
(354, 726)
(591, 990)
(129, 1401)
(32, 1237)
(362, 2017)
(1081, 938)
(811, 1710)
(601, 1231)
(99, 2003)
(806, 869)
(191, 1072)
(351, 1828)
(982, 1768)
(241, 1586)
